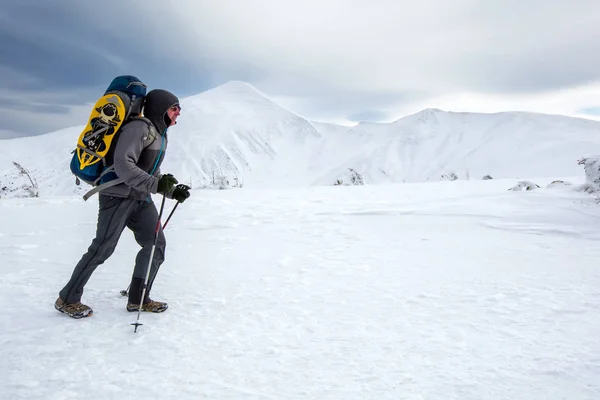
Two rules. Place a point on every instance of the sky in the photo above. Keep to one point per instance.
(339, 61)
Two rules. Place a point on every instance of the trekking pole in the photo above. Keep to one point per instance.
(156, 231)
(169, 217)
(126, 291)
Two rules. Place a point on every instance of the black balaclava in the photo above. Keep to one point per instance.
(158, 101)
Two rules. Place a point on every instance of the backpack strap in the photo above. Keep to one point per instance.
(152, 134)
(101, 187)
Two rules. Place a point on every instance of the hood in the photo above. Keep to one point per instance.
(158, 101)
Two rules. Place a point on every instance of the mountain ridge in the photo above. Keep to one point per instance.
(234, 135)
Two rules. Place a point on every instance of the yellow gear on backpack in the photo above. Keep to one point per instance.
(122, 102)
(105, 120)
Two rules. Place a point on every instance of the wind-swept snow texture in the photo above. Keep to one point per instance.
(235, 136)
(449, 290)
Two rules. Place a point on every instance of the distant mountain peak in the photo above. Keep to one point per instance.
(423, 116)
(236, 89)
(237, 86)
(235, 135)
(430, 111)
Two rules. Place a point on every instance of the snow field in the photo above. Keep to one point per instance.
(450, 290)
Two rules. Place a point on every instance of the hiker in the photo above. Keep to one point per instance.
(130, 205)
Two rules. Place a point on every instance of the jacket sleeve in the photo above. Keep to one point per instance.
(132, 140)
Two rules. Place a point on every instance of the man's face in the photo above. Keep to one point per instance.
(173, 113)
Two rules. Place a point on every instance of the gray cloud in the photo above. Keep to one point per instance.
(342, 58)
(429, 45)
(532, 46)
(390, 53)
(9, 104)
(342, 105)
(369, 115)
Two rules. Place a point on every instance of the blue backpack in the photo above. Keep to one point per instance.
(122, 101)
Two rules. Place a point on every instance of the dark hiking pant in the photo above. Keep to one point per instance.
(114, 215)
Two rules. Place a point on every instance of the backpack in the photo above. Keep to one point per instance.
(122, 102)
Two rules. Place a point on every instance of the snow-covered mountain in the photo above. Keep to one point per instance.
(237, 135)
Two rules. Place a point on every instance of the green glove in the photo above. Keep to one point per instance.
(166, 183)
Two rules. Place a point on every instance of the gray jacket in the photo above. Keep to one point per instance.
(137, 157)
(141, 147)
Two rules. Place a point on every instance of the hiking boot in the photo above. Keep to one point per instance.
(150, 306)
(73, 310)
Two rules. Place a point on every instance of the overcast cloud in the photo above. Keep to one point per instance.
(333, 60)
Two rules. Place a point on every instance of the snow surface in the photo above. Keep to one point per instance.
(292, 288)
(447, 290)
(236, 133)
